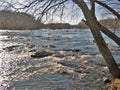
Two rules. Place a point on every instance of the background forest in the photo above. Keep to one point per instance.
(20, 20)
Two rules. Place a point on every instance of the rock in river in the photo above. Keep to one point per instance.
(11, 48)
(41, 54)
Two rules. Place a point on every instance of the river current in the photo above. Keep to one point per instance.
(18, 71)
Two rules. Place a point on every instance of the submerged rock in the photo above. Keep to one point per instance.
(29, 46)
(49, 46)
(106, 80)
(72, 50)
(59, 55)
(68, 64)
(11, 48)
(32, 50)
(41, 54)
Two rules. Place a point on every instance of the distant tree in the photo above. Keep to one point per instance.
(18, 20)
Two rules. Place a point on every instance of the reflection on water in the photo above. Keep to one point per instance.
(17, 65)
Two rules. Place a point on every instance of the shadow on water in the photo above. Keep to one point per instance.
(45, 82)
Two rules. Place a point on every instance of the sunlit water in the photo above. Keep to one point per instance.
(61, 40)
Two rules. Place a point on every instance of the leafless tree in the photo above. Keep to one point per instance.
(49, 7)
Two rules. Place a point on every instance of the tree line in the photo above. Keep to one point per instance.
(112, 23)
(18, 20)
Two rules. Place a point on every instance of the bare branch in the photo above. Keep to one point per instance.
(49, 6)
(25, 6)
(92, 2)
(109, 8)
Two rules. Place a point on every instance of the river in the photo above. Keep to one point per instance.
(19, 71)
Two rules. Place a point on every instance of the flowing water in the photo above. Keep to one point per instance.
(19, 71)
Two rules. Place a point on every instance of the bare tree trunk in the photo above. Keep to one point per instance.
(94, 27)
(104, 29)
(101, 27)
(112, 65)
(110, 34)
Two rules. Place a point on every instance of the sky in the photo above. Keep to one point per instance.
(72, 14)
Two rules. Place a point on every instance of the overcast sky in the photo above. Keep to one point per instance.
(72, 13)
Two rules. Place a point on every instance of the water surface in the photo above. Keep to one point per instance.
(22, 72)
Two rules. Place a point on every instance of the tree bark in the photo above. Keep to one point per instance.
(110, 34)
(104, 29)
(94, 27)
(101, 27)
